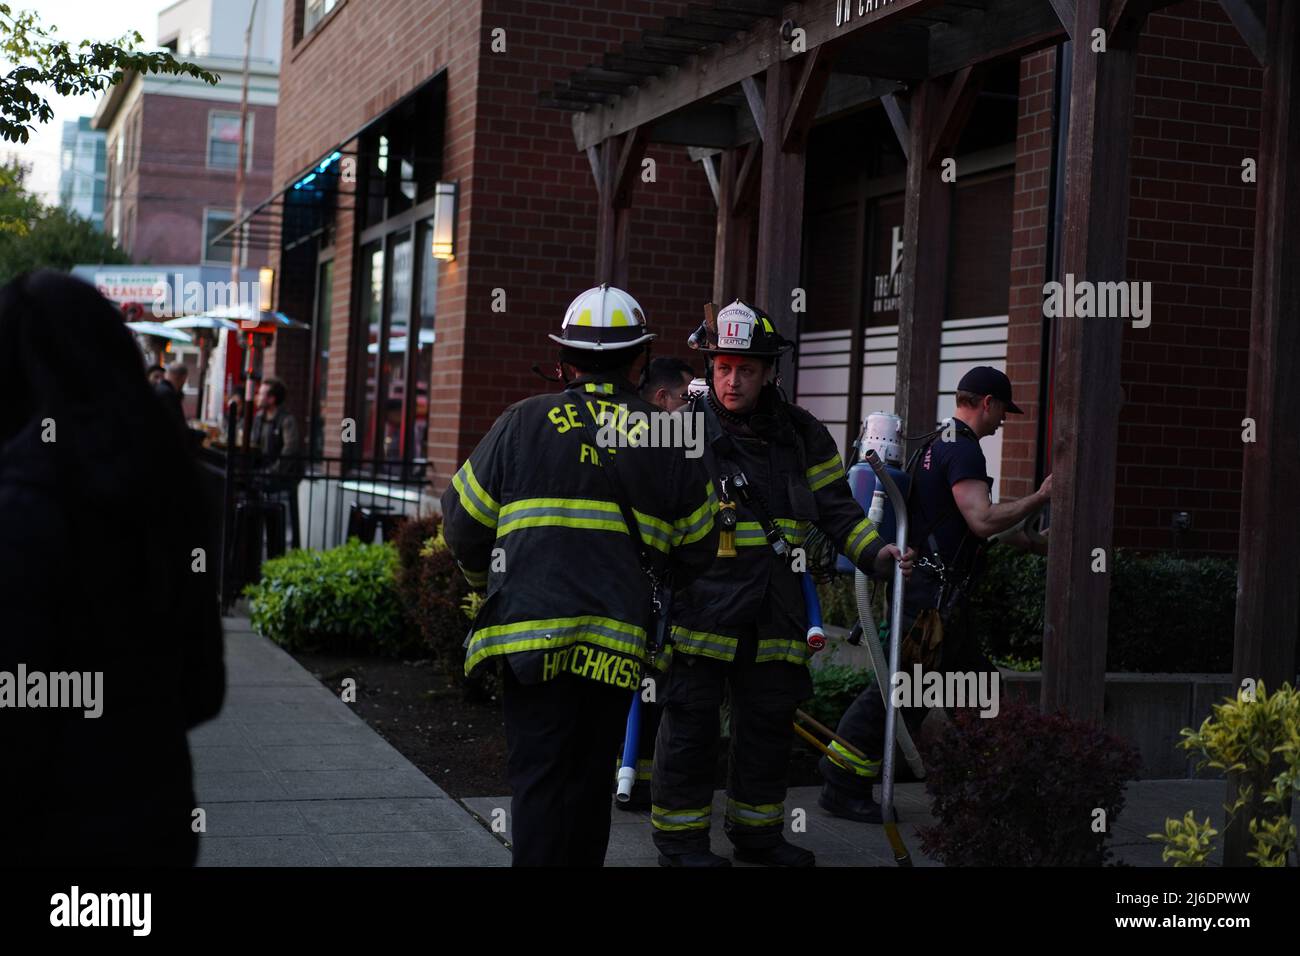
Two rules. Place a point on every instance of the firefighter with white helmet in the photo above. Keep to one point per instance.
(567, 537)
(742, 626)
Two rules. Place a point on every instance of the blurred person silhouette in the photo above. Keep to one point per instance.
(101, 521)
(171, 391)
(155, 374)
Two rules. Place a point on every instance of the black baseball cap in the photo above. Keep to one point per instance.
(986, 380)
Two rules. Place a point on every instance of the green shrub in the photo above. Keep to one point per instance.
(433, 591)
(1257, 737)
(343, 600)
(835, 686)
(839, 605)
(1167, 613)
(1023, 788)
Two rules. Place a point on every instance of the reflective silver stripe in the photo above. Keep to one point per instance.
(763, 815)
(704, 643)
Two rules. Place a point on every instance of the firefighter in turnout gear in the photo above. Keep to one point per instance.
(742, 626)
(567, 532)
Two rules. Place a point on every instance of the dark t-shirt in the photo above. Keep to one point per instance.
(942, 465)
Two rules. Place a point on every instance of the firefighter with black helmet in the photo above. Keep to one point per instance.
(568, 533)
(742, 626)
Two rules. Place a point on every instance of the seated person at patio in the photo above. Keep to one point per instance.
(171, 391)
(275, 436)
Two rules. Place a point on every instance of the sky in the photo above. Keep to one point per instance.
(77, 20)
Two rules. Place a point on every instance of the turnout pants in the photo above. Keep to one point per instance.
(863, 724)
(763, 701)
(562, 736)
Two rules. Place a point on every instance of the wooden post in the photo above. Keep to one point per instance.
(1087, 382)
(731, 247)
(923, 282)
(1268, 567)
(780, 208)
(620, 168)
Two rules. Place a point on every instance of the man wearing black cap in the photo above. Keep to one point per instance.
(951, 516)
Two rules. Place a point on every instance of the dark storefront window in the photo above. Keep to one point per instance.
(400, 158)
(321, 356)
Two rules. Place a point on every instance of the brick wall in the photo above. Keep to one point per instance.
(1029, 227)
(173, 184)
(1191, 235)
(527, 214)
(534, 234)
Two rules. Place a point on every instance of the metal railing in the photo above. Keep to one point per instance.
(306, 501)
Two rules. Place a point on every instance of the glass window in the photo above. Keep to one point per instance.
(314, 12)
(214, 221)
(223, 140)
(423, 373)
(372, 305)
(320, 375)
(399, 323)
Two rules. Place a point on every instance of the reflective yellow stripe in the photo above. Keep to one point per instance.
(696, 818)
(842, 758)
(699, 522)
(755, 814)
(476, 579)
(590, 514)
(703, 644)
(482, 507)
(819, 476)
(555, 634)
(863, 533)
(654, 531)
(600, 388)
(751, 534)
(792, 652)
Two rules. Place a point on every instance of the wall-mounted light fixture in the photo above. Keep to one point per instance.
(266, 288)
(444, 222)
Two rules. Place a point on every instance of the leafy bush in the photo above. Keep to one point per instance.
(437, 601)
(1021, 789)
(1167, 613)
(343, 600)
(839, 605)
(1256, 736)
(835, 686)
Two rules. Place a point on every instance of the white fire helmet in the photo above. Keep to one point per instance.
(603, 318)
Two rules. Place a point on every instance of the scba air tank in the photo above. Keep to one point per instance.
(883, 433)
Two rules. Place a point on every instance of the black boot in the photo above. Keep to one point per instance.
(778, 854)
(693, 858)
(838, 803)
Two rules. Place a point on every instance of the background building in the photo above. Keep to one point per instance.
(82, 170)
(375, 117)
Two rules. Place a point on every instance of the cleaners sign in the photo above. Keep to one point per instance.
(130, 285)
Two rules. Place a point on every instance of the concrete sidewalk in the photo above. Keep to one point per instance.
(289, 776)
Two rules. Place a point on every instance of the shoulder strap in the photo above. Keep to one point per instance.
(607, 468)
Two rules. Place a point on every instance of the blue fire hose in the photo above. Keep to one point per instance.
(627, 771)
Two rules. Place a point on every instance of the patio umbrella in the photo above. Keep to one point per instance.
(207, 328)
(159, 330)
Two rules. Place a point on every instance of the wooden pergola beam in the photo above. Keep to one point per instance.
(629, 165)
(747, 179)
(955, 111)
(1086, 397)
(807, 98)
(1268, 566)
(1064, 10)
(1248, 20)
(754, 97)
(896, 110)
(780, 207)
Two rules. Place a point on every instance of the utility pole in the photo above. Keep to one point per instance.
(237, 248)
